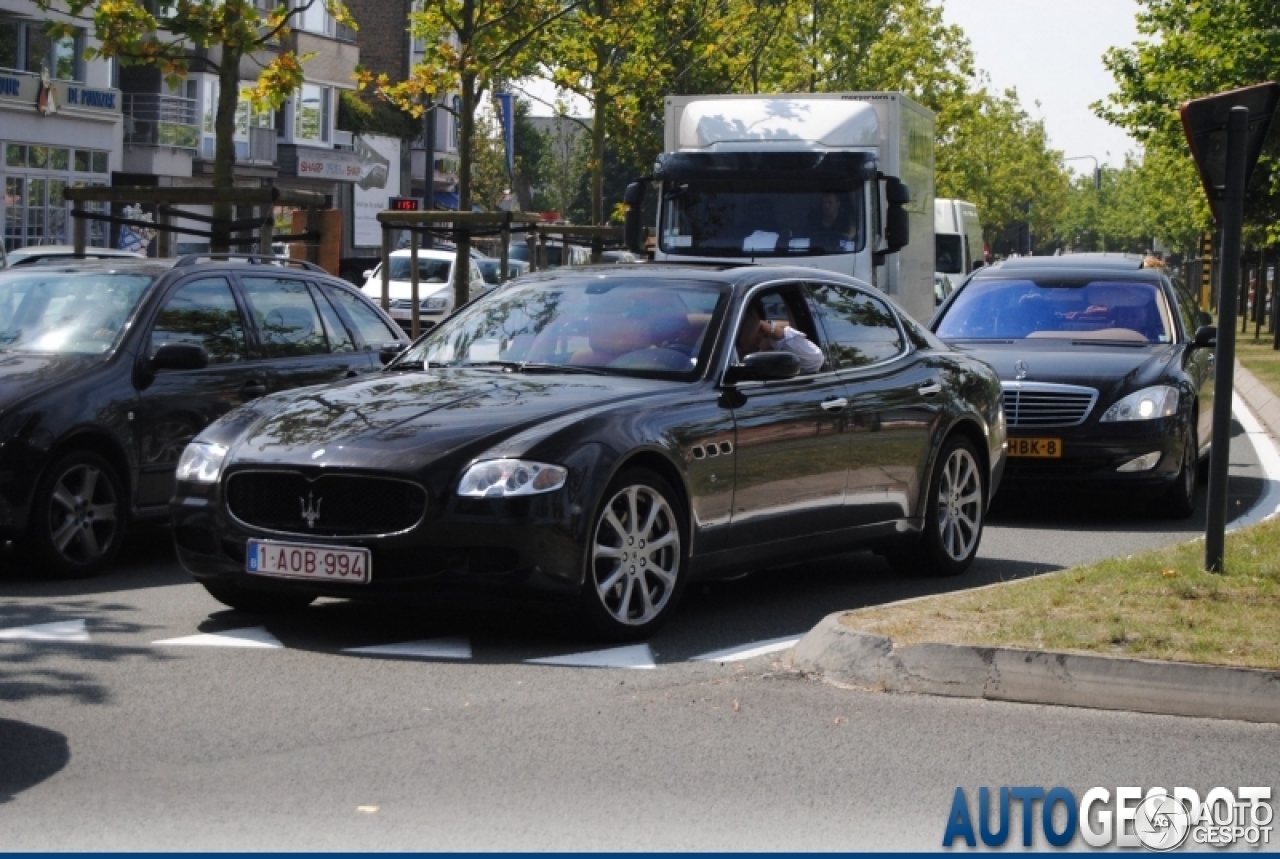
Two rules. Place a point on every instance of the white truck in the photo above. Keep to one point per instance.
(958, 236)
(837, 181)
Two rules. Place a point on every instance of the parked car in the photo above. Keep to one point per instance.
(61, 253)
(109, 368)
(435, 285)
(491, 267)
(589, 435)
(1107, 369)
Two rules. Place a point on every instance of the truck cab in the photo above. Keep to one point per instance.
(841, 182)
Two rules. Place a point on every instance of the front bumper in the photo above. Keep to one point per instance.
(1092, 454)
(518, 547)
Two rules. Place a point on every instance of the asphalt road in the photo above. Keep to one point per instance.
(112, 741)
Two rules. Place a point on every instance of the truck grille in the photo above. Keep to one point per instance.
(1043, 404)
(332, 505)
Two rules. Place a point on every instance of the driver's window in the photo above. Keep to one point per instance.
(287, 319)
(202, 312)
(778, 319)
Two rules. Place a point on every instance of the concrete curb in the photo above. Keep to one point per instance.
(1259, 398)
(845, 655)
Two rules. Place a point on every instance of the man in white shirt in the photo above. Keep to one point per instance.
(758, 334)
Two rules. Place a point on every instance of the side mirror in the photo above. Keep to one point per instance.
(179, 356)
(763, 367)
(389, 351)
(1206, 336)
(368, 273)
(897, 226)
(1203, 318)
(632, 228)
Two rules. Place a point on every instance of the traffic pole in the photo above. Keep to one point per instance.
(1232, 225)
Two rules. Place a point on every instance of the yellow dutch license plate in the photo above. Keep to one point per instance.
(1046, 448)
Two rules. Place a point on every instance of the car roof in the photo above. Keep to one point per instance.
(1113, 261)
(132, 264)
(429, 253)
(1074, 266)
(733, 274)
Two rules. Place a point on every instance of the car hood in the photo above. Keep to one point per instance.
(404, 289)
(408, 420)
(1095, 366)
(25, 373)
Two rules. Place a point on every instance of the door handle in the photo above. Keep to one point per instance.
(835, 404)
(253, 388)
(930, 388)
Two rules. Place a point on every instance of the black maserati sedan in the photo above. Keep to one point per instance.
(1107, 370)
(599, 437)
(109, 367)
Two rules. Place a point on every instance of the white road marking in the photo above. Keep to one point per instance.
(434, 648)
(747, 651)
(252, 636)
(1269, 504)
(58, 631)
(631, 656)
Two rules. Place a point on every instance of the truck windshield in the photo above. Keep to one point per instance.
(712, 221)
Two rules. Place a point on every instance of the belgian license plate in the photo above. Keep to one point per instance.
(302, 561)
(1046, 448)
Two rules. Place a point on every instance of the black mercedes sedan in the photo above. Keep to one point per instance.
(109, 367)
(1107, 369)
(601, 436)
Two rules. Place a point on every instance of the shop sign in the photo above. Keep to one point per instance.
(56, 96)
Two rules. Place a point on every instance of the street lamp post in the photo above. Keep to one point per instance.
(1097, 169)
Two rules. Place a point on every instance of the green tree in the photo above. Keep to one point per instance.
(1191, 49)
(216, 33)
(470, 45)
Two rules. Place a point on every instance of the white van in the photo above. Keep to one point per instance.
(435, 286)
(957, 239)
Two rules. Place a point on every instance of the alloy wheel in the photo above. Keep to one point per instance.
(82, 514)
(636, 555)
(960, 504)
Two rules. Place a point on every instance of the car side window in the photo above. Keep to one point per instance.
(287, 318)
(202, 312)
(368, 324)
(340, 339)
(860, 328)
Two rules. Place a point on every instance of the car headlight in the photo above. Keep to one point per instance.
(201, 462)
(509, 478)
(1158, 401)
(436, 302)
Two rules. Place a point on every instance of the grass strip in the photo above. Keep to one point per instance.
(1158, 604)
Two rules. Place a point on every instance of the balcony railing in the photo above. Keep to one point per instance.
(151, 119)
(262, 145)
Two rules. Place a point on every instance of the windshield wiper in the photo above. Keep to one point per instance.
(416, 365)
(532, 367)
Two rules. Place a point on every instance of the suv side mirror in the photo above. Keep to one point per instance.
(897, 227)
(389, 351)
(763, 367)
(632, 228)
(1206, 336)
(179, 356)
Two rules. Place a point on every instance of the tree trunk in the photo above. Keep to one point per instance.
(466, 139)
(224, 150)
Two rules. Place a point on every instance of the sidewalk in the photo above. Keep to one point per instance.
(841, 654)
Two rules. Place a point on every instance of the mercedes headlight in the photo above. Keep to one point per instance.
(510, 478)
(201, 462)
(1158, 401)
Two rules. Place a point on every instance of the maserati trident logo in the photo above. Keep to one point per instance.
(1020, 370)
(311, 509)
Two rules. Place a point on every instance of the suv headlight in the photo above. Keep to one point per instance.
(435, 302)
(201, 462)
(509, 478)
(1158, 401)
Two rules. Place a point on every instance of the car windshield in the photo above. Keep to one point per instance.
(429, 270)
(58, 311)
(1083, 310)
(632, 327)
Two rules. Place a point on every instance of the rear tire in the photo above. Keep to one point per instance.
(78, 517)
(955, 511)
(256, 602)
(636, 557)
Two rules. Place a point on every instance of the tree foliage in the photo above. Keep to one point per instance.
(1191, 49)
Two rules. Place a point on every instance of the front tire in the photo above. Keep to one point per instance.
(256, 602)
(79, 516)
(954, 514)
(1179, 502)
(635, 557)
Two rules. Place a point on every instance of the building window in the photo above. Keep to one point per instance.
(246, 118)
(314, 18)
(24, 46)
(457, 123)
(34, 209)
(312, 114)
